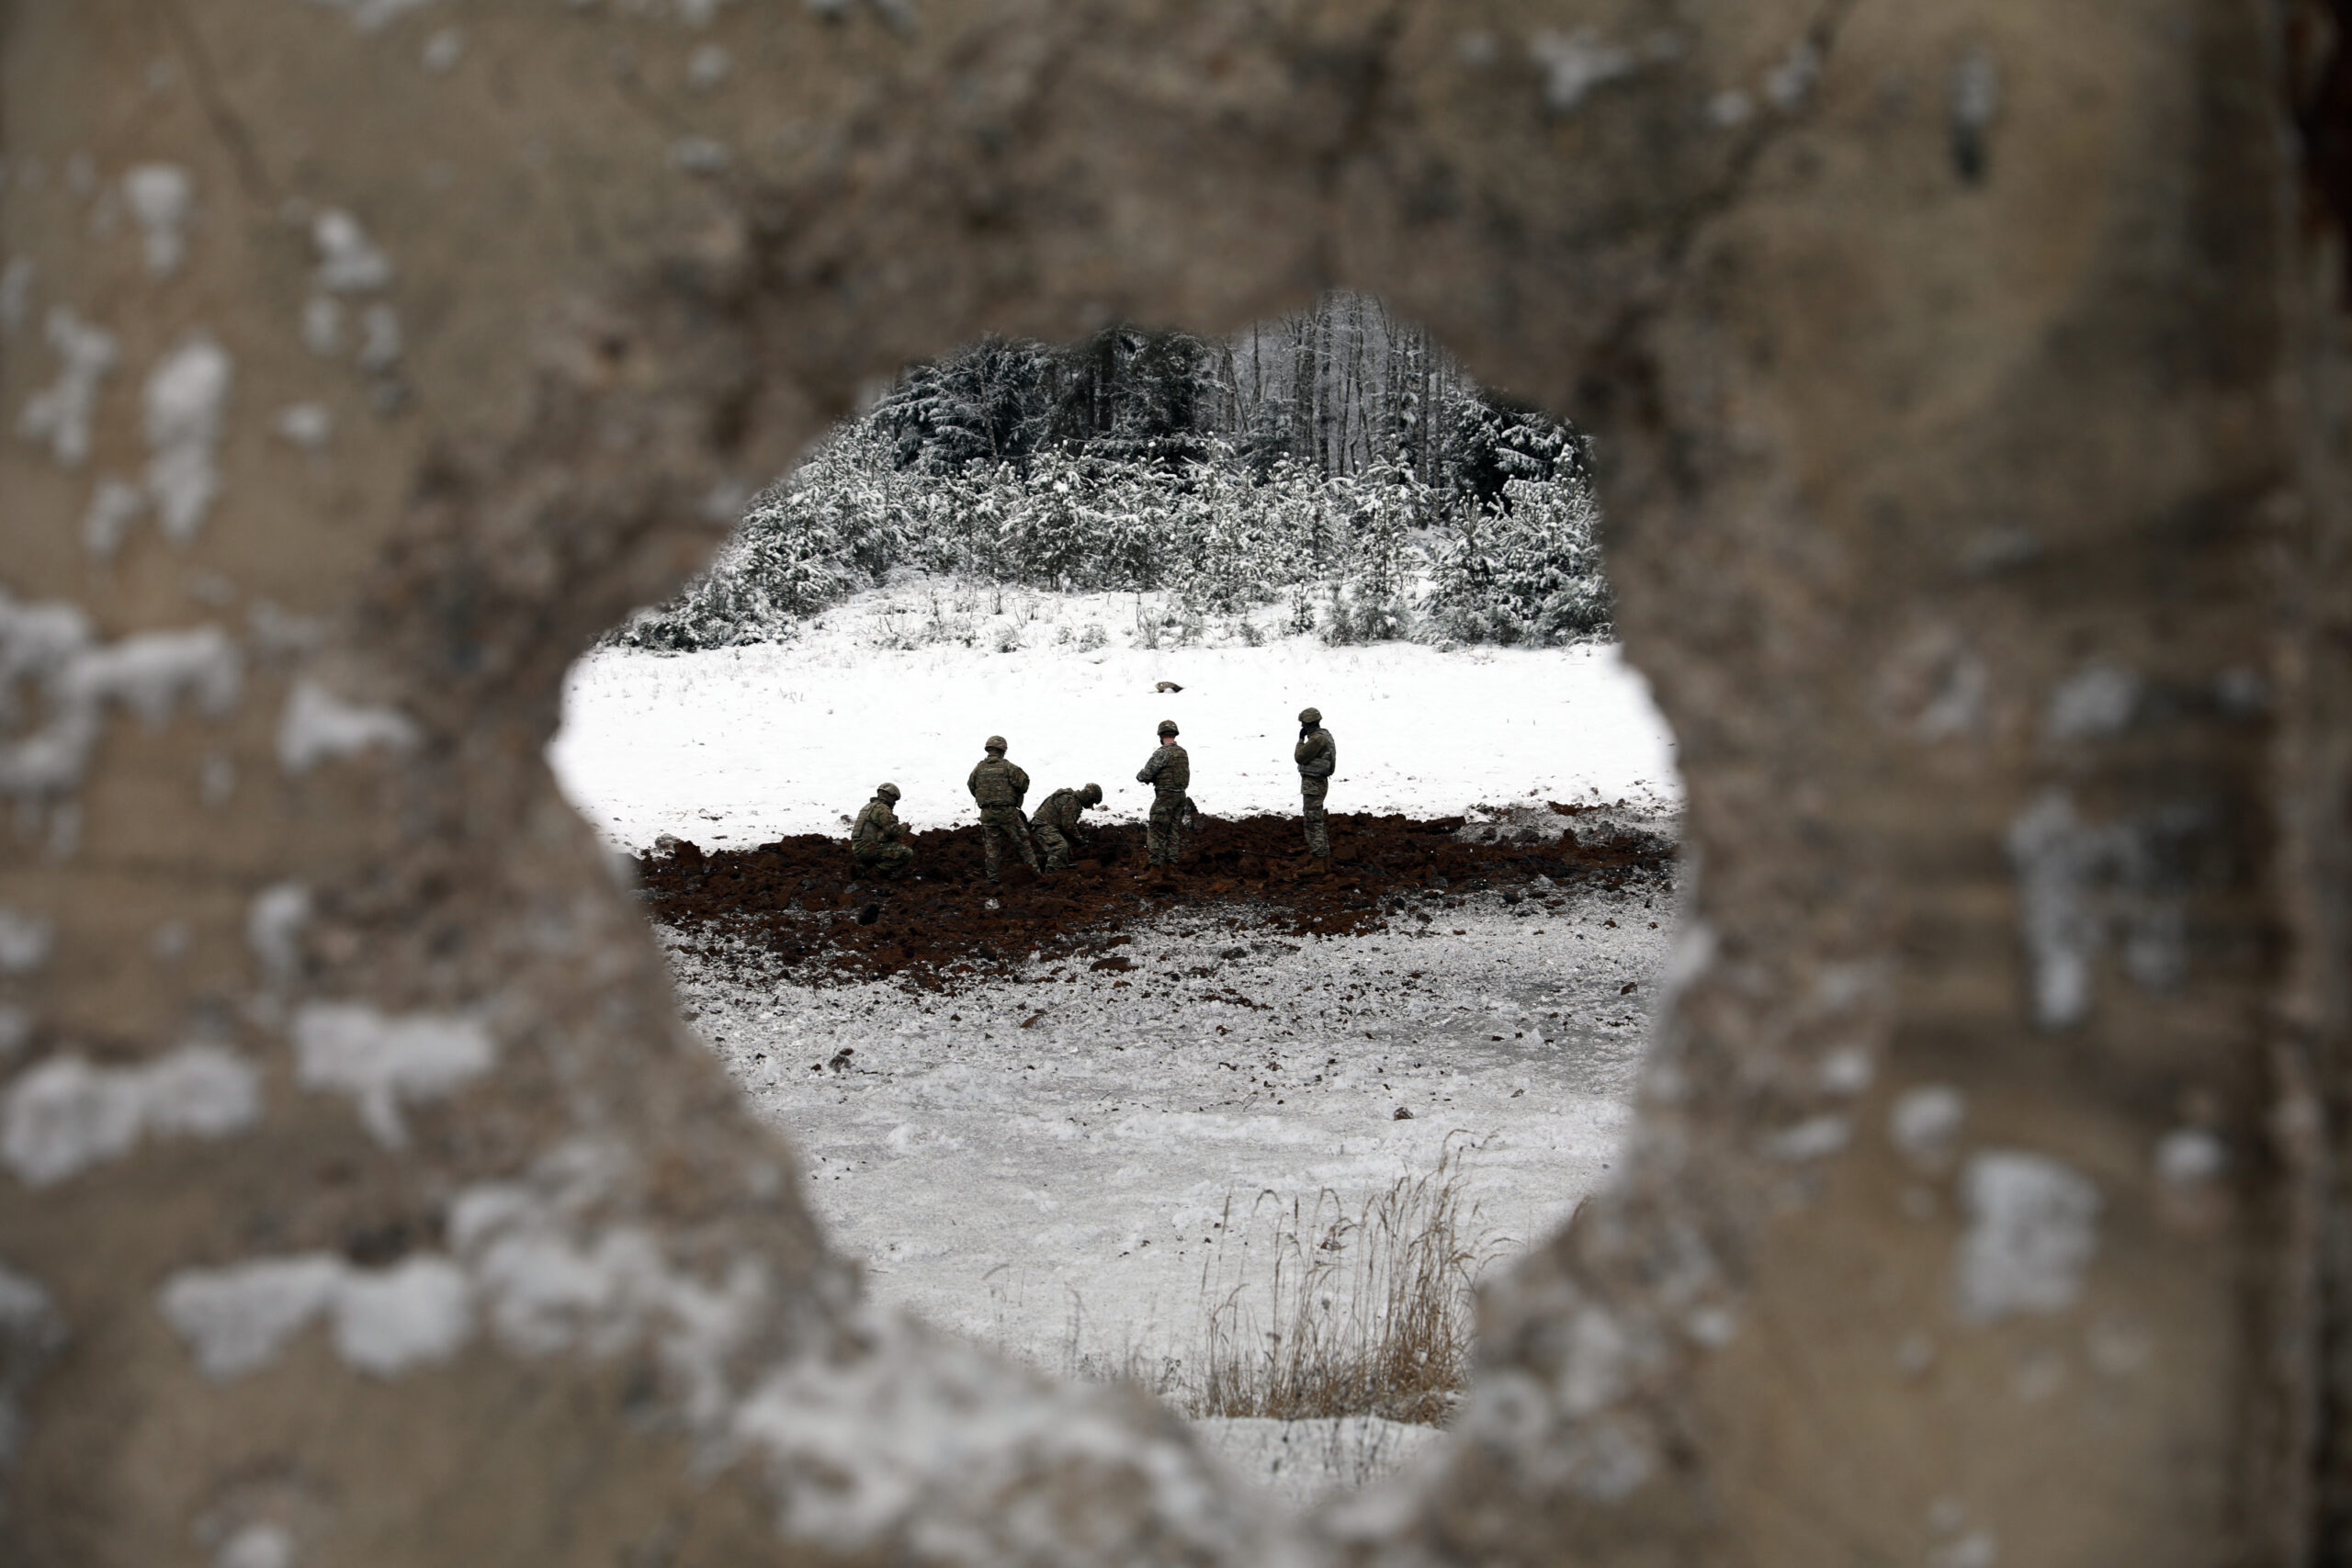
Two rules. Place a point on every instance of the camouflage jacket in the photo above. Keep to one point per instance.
(1169, 771)
(1058, 811)
(996, 781)
(877, 826)
(1317, 754)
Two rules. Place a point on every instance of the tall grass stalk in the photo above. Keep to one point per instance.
(1322, 1312)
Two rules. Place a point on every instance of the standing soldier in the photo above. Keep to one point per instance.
(1316, 755)
(1169, 772)
(876, 844)
(1055, 823)
(998, 787)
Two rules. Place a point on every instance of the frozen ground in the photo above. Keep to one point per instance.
(1049, 1166)
(740, 746)
(1045, 1165)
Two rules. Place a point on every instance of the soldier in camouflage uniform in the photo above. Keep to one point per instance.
(998, 787)
(1055, 823)
(1317, 755)
(1169, 773)
(876, 844)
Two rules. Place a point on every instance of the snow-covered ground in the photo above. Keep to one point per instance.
(1045, 1165)
(740, 746)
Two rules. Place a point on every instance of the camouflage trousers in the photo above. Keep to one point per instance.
(888, 861)
(1001, 825)
(1311, 792)
(1055, 845)
(1166, 833)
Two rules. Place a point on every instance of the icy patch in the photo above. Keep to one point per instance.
(60, 414)
(235, 1321)
(66, 1115)
(25, 940)
(161, 196)
(2033, 1227)
(318, 725)
(186, 403)
(350, 1048)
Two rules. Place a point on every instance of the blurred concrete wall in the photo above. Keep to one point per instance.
(1969, 382)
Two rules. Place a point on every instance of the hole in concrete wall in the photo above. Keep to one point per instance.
(1245, 1133)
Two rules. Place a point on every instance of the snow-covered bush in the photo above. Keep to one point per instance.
(1335, 459)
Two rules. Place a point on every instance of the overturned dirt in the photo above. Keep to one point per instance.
(800, 902)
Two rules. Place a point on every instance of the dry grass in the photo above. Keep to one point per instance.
(1319, 1312)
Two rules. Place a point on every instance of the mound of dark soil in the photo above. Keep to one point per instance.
(800, 899)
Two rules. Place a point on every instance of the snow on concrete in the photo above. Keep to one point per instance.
(67, 1114)
(382, 1061)
(740, 746)
(318, 726)
(2032, 1231)
(236, 1320)
(185, 404)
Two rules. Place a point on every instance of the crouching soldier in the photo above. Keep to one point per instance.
(1318, 756)
(1169, 773)
(998, 787)
(876, 844)
(1055, 823)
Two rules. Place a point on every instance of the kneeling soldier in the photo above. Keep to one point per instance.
(1169, 773)
(998, 787)
(875, 844)
(1055, 823)
(1318, 756)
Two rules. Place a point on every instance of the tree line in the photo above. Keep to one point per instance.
(1337, 460)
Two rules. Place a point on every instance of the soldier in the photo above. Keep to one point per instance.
(1316, 755)
(878, 843)
(998, 787)
(1169, 772)
(1055, 823)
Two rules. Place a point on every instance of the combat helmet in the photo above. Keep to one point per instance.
(1310, 715)
(1167, 726)
(1091, 794)
(888, 792)
(995, 743)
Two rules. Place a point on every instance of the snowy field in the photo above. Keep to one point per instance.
(737, 747)
(1064, 1166)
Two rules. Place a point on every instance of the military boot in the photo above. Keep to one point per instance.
(1321, 866)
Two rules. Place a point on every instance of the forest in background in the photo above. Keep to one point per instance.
(1338, 462)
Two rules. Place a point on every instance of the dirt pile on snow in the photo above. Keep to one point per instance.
(798, 901)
